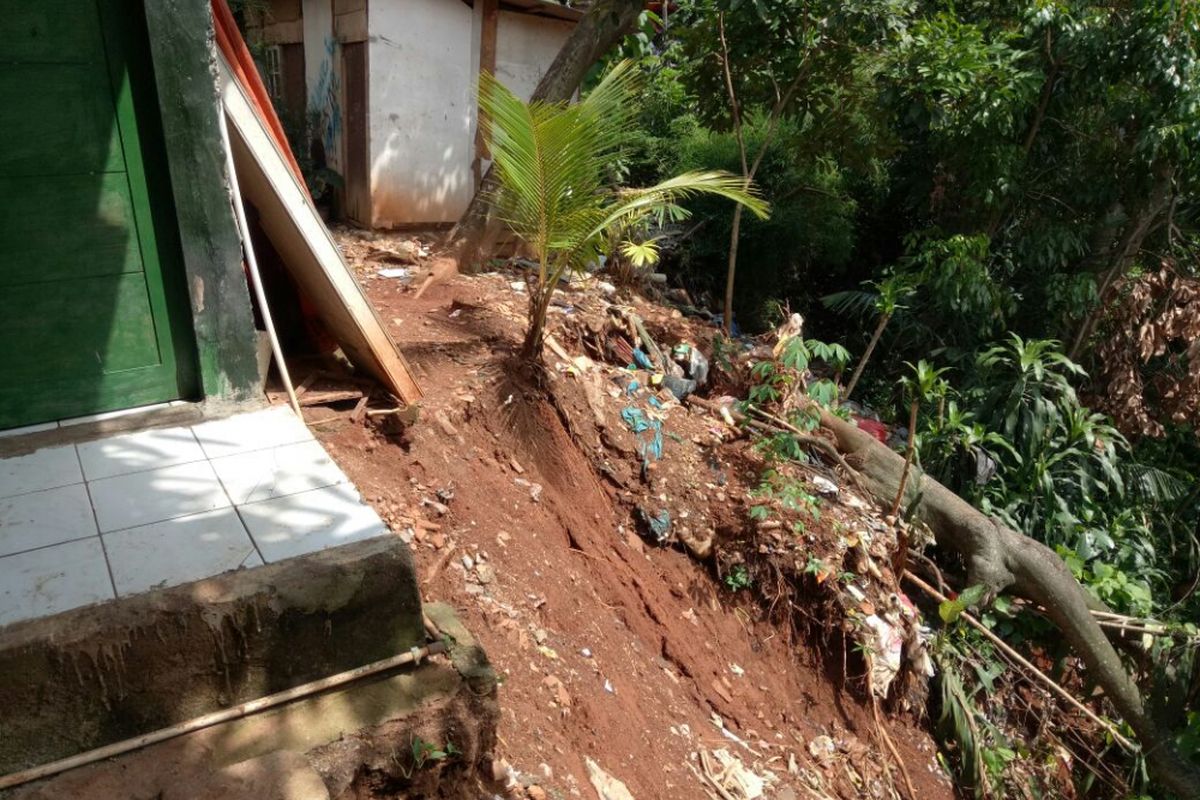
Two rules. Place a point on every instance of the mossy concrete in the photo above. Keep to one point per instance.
(89, 677)
(181, 41)
(352, 743)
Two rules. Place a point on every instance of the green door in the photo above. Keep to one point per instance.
(93, 315)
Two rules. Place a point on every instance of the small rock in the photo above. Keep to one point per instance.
(536, 793)
(486, 573)
(468, 563)
(561, 695)
(825, 486)
(822, 749)
(444, 423)
(441, 509)
(540, 635)
(586, 653)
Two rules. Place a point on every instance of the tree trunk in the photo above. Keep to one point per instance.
(862, 362)
(1000, 558)
(731, 272)
(604, 25)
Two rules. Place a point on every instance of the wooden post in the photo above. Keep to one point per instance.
(487, 63)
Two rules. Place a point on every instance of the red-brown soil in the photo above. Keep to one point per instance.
(610, 647)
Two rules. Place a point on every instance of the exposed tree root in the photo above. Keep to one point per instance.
(1002, 559)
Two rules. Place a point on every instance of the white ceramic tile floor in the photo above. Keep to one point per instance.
(42, 469)
(256, 430)
(138, 452)
(171, 505)
(53, 579)
(39, 519)
(310, 521)
(178, 550)
(279, 471)
(140, 498)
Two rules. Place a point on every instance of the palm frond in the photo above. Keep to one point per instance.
(635, 203)
(852, 302)
(1155, 485)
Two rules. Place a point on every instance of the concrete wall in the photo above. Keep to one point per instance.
(276, 22)
(424, 57)
(525, 47)
(421, 110)
(180, 34)
(88, 677)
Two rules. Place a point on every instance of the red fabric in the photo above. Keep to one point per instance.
(873, 427)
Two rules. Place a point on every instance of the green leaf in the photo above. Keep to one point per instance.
(950, 610)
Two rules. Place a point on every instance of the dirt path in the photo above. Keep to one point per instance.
(610, 648)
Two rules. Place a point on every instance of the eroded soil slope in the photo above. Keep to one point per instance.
(523, 512)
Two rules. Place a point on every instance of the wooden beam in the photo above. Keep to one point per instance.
(487, 63)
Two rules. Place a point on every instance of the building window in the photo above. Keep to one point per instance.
(271, 72)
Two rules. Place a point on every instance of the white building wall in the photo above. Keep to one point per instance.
(421, 110)
(525, 47)
(424, 60)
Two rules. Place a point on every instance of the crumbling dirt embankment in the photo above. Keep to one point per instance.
(523, 513)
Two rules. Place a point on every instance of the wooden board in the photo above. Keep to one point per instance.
(298, 234)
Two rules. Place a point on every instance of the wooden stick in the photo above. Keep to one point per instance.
(1034, 671)
(256, 283)
(557, 348)
(887, 740)
(813, 441)
(415, 655)
(708, 773)
(1120, 622)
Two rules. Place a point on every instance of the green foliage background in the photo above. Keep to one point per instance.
(983, 171)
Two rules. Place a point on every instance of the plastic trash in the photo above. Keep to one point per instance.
(680, 387)
(659, 524)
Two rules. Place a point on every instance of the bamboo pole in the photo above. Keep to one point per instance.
(239, 210)
(1025, 664)
(250, 707)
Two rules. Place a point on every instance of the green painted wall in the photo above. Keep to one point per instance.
(183, 50)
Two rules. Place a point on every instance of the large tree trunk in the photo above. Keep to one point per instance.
(1003, 559)
(603, 26)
